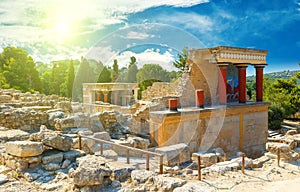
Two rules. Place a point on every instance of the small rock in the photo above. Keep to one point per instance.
(115, 184)
(141, 176)
(31, 176)
(3, 179)
(66, 163)
(291, 132)
(51, 166)
(167, 183)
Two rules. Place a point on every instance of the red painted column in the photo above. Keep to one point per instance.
(98, 96)
(259, 82)
(222, 83)
(173, 104)
(105, 99)
(242, 83)
(200, 98)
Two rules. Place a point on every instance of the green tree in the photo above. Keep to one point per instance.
(88, 72)
(46, 79)
(284, 95)
(19, 69)
(152, 71)
(105, 76)
(132, 71)
(180, 63)
(115, 71)
(70, 79)
(58, 77)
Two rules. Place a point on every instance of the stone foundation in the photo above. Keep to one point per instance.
(235, 128)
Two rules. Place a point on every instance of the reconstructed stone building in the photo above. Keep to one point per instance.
(219, 114)
(114, 93)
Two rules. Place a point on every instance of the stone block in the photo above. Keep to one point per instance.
(141, 176)
(207, 158)
(174, 154)
(110, 154)
(274, 146)
(138, 142)
(73, 154)
(167, 183)
(259, 162)
(102, 135)
(24, 148)
(52, 156)
(120, 171)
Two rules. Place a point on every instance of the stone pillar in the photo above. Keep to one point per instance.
(242, 82)
(105, 98)
(136, 94)
(200, 98)
(222, 82)
(98, 96)
(259, 82)
(173, 104)
(116, 96)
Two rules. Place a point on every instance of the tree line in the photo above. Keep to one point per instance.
(65, 77)
(283, 95)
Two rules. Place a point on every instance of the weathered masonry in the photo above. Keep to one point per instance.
(228, 120)
(113, 93)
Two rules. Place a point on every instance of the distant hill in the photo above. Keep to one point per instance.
(274, 75)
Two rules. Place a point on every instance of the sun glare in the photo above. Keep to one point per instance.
(62, 28)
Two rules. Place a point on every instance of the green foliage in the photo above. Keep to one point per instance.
(58, 77)
(181, 61)
(115, 71)
(132, 71)
(152, 71)
(88, 72)
(18, 70)
(276, 114)
(70, 79)
(251, 89)
(105, 76)
(284, 96)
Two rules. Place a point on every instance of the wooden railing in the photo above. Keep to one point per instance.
(128, 149)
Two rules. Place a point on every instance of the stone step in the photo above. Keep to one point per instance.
(295, 124)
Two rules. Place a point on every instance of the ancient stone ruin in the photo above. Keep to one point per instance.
(114, 142)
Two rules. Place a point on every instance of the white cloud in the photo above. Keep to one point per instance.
(103, 54)
(191, 20)
(138, 35)
(30, 21)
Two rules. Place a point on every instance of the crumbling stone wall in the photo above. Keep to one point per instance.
(159, 90)
(22, 119)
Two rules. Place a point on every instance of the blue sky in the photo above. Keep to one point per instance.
(153, 31)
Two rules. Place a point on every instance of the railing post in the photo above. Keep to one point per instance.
(101, 148)
(161, 166)
(278, 157)
(127, 155)
(243, 163)
(79, 142)
(199, 168)
(147, 161)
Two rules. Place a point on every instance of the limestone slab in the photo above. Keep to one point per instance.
(174, 154)
(24, 148)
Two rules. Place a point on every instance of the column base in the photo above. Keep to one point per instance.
(242, 101)
(200, 106)
(259, 100)
(173, 109)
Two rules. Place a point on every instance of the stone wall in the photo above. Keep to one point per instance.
(204, 74)
(236, 128)
(22, 119)
(159, 90)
